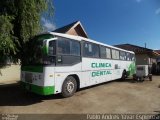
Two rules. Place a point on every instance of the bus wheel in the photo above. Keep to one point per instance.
(150, 77)
(124, 75)
(69, 87)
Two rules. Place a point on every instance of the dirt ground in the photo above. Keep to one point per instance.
(113, 97)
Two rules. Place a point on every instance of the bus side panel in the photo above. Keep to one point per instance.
(87, 71)
(96, 71)
(109, 69)
(129, 66)
(49, 76)
(117, 69)
(61, 73)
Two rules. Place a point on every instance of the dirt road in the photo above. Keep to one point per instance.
(112, 97)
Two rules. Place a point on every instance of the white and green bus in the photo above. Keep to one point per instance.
(61, 63)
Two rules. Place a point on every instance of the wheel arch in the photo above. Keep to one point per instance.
(76, 78)
(124, 73)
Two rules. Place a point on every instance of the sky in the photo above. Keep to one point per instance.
(112, 21)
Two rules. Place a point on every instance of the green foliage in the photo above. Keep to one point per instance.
(6, 38)
(29, 12)
(19, 21)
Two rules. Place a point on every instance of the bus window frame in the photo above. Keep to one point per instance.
(106, 52)
(112, 55)
(120, 55)
(129, 56)
(68, 39)
(83, 41)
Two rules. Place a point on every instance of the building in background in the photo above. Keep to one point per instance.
(158, 62)
(74, 28)
(144, 56)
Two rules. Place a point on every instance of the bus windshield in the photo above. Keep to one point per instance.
(36, 52)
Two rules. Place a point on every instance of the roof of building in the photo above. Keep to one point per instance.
(132, 47)
(67, 28)
(158, 51)
(138, 49)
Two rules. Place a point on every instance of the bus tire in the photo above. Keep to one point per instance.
(150, 77)
(69, 87)
(124, 75)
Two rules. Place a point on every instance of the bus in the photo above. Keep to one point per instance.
(61, 63)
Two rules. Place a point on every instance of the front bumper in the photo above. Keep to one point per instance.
(41, 90)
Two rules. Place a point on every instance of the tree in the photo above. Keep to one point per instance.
(19, 21)
(6, 30)
(7, 44)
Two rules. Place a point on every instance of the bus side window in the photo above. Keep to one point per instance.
(95, 50)
(75, 48)
(103, 52)
(128, 56)
(108, 53)
(90, 50)
(52, 48)
(115, 54)
(122, 55)
(132, 57)
(63, 46)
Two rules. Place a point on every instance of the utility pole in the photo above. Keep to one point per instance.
(145, 45)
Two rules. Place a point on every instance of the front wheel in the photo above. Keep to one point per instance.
(69, 87)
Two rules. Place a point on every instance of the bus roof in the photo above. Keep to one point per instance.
(85, 39)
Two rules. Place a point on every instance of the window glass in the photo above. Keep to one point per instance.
(108, 52)
(103, 52)
(68, 47)
(128, 55)
(63, 46)
(132, 57)
(75, 48)
(90, 50)
(95, 50)
(52, 48)
(115, 54)
(122, 55)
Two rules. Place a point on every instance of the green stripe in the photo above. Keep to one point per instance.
(38, 69)
(132, 69)
(45, 50)
(41, 90)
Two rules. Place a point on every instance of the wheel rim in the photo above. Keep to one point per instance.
(70, 87)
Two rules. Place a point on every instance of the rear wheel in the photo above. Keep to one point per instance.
(134, 77)
(150, 77)
(69, 87)
(124, 75)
